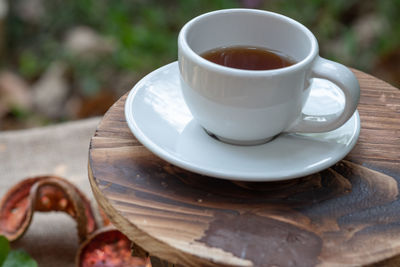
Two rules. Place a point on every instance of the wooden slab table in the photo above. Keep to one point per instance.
(347, 215)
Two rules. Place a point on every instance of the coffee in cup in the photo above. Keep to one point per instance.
(247, 107)
(248, 58)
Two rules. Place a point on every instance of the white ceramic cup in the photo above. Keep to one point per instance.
(251, 106)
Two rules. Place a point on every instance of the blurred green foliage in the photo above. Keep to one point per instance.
(341, 21)
(14, 258)
(363, 34)
(145, 33)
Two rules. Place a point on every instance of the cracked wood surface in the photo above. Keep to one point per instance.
(347, 215)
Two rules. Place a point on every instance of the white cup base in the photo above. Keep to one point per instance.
(239, 142)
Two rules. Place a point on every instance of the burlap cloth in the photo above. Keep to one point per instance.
(61, 150)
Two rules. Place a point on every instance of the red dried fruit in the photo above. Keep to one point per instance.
(45, 193)
(107, 247)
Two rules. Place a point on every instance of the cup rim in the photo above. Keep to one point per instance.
(184, 46)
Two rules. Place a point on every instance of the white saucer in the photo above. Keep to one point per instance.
(159, 118)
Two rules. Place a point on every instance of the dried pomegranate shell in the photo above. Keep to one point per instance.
(108, 247)
(44, 193)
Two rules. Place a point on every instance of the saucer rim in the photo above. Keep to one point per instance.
(234, 176)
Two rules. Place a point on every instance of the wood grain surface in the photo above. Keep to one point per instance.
(347, 215)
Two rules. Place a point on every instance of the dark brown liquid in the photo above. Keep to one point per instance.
(248, 58)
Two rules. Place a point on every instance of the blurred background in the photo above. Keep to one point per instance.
(65, 60)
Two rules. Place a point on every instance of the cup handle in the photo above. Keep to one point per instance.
(347, 82)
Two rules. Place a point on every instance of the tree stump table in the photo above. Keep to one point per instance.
(347, 215)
